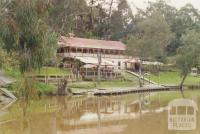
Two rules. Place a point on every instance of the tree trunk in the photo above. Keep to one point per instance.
(140, 75)
(99, 66)
(110, 8)
(91, 14)
(182, 82)
(62, 87)
(109, 19)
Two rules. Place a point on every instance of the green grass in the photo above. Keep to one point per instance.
(129, 77)
(83, 84)
(15, 73)
(12, 72)
(89, 86)
(174, 78)
(45, 88)
(53, 71)
(127, 80)
(41, 87)
(117, 84)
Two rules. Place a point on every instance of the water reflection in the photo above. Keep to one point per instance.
(126, 114)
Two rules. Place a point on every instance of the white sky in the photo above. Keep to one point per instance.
(176, 3)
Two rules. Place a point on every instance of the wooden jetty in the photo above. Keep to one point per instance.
(4, 81)
(7, 93)
(154, 88)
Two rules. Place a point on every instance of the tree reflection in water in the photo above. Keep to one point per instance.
(85, 115)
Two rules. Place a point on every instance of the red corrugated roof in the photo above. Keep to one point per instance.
(91, 43)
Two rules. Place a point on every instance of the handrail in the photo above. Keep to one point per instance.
(95, 55)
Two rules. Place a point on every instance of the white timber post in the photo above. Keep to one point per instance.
(99, 65)
(140, 74)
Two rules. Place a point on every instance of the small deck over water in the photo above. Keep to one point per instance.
(150, 88)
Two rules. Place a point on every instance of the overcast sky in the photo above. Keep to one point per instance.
(177, 3)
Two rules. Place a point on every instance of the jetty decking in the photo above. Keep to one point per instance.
(7, 93)
(154, 88)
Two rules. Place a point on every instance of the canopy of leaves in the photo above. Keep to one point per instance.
(91, 18)
(152, 36)
(179, 21)
(189, 54)
(121, 21)
(25, 32)
(26, 26)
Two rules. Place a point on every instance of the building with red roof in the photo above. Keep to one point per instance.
(87, 51)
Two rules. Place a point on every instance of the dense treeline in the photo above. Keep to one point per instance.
(168, 23)
(159, 26)
(103, 19)
(30, 29)
(114, 20)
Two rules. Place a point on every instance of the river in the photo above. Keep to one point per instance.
(126, 114)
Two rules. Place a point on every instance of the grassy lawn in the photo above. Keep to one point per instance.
(89, 86)
(174, 78)
(41, 87)
(117, 84)
(15, 73)
(12, 72)
(53, 71)
(82, 84)
(44, 88)
(127, 80)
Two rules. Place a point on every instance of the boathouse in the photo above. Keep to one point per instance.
(86, 52)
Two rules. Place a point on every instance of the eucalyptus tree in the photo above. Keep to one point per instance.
(26, 33)
(189, 54)
(67, 16)
(187, 31)
(178, 20)
(186, 17)
(169, 12)
(150, 39)
(189, 15)
(152, 36)
(121, 23)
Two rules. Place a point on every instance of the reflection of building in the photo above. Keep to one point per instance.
(89, 51)
(90, 113)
